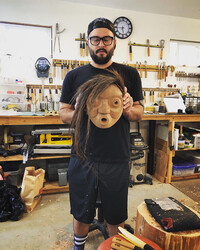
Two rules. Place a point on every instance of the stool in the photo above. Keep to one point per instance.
(106, 245)
(146, 226)
(99, 223)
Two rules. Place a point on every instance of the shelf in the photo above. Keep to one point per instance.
(42, 157)
(53, 187)
(187, 149)
(194, 176)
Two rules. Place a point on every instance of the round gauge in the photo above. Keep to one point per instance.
(123, 27)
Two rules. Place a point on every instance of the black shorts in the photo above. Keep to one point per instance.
(110, 179)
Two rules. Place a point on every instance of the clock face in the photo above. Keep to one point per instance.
(123, 27)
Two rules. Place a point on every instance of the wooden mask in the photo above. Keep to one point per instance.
(107, 107)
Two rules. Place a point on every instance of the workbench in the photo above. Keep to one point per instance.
(170, 119)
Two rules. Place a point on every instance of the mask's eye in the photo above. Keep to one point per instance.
(116, 102)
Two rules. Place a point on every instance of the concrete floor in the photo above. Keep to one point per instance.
(49, 226)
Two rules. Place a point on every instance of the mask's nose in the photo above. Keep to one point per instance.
(104, 108)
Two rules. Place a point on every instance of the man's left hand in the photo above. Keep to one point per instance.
(127, 101)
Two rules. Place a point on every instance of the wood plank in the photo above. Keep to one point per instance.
(194, 176)
(20, 157)
(35, 120)
(30, 120)
(161, 165)
(53, 187)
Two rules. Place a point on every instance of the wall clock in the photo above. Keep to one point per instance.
(123, 27)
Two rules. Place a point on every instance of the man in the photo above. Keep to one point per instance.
(106, 169)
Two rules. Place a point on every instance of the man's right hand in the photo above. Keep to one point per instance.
(66, 112)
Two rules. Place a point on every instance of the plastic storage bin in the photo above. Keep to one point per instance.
(183, 169)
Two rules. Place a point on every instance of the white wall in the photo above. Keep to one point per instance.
(75, 18)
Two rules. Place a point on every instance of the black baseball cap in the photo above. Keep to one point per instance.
(101, 23)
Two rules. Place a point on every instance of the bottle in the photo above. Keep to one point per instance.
(181, 139)
(56, 101)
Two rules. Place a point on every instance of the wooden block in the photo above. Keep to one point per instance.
(146, 226)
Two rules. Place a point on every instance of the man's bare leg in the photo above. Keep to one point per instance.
(80, 234)
(113, 229)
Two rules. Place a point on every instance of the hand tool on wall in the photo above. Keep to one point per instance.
(150, 96)
(148, 48)
(57, 37)
(153, 96)
(76, 64)
(62, 70)
(164, 71)
(40, 95)
(65, 68)
(145, 97)
(54, 68)
(162, 42)
(32, 96)
(140, 69)
(86, 48)
(67, 65)
(159, 74)
(81, 46)
(28, 98)
(70, 65)
(50, 76)
(136, 65)
(130, 52)
(83, 54)
(145, 62)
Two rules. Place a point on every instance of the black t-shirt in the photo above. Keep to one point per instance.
(111, 144)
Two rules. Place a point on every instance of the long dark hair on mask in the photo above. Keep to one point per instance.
(92, 88)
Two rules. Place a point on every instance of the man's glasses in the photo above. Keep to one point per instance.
(107, 40)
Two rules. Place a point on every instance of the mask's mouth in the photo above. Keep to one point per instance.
(104, 120)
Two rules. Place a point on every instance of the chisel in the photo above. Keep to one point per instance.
(124, 243)
(86, 49)
(83, 53)
(150, 96)
(144, 96)
(140, 70)
(117, 246)
(81, 47)
(32, 96)
(130, 52)
(148, 48)
(54, 68)
(162, 46)
(62, 70)
(145, 62)
(70, 65)
(136, 65)
(65, 68)
(133, 239)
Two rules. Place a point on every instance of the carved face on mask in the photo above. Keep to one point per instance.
(107, 108)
